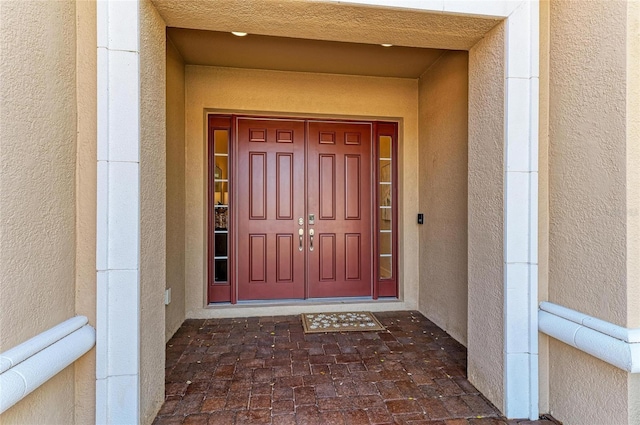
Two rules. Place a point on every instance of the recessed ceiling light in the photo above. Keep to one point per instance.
(238, 33)
(386, 45)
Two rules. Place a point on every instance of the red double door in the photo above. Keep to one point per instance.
(304, 209)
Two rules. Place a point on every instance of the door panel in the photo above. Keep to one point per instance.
(327, 256)
(257, 258)
(339, 195)
(284, 186)
(257, 187)
(285, 256)
(327, 189)
(352, 187)
(353, 265)
(271, 198)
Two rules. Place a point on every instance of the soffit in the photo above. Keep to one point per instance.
(330, 21)
(213, 48)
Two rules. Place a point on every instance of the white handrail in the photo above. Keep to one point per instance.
(18, 354)
(34, 362)
(611, 343)
(615, 331)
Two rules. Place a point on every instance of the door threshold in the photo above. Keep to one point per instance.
(308, 301)
(292, 307)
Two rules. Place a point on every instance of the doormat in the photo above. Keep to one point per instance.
(340, 322)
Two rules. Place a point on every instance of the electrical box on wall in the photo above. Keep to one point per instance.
(420, 218)
(167, 296)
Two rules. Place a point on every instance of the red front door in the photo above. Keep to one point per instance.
(271, 256)
(304, 221)
(339, 198)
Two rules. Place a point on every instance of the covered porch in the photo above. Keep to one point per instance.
(466, 149)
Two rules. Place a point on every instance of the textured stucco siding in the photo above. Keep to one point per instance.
(633, 191)
(585, 390)
(588, 190)
(86, 200)
(485, 340)
(152, 210)
(37, 188)
(587, 158)
(633, 165)
(443, 116)
(175, 190)
(543, 202)
(633, 398)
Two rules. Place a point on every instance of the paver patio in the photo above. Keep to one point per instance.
(265, 370)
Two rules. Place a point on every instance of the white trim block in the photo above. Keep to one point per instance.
(608, 342)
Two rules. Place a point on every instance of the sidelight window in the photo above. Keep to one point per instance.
(220, 241)
(221, 205)
(385, 183)
(386, 151)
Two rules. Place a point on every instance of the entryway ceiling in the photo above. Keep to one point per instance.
(326, 36)
(214, 48)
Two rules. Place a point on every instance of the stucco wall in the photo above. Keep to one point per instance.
(585, 390)
(588, 210)
(152, 210)
(633, 191)
(86, 176)
(543, 202)
(587, 157)
(442, 106)
(37, 188)
(633, 398)
(485, 341)
(633, 167)
(295, 93)
(174, 313)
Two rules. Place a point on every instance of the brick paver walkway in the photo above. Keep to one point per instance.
(267, 371)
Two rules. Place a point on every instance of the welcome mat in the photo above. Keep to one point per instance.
(340, 322)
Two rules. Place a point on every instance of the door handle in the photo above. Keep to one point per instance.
(301, 236)
(311, 239)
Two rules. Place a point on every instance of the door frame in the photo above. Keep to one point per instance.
(228, 292)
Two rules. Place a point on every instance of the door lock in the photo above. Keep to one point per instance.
(312, 218)
(301, 221)
(311, 233)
